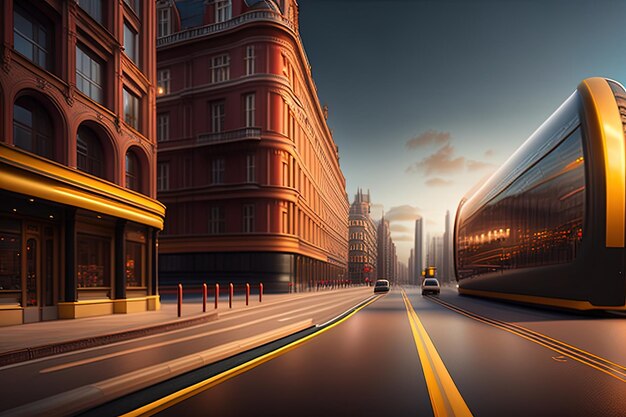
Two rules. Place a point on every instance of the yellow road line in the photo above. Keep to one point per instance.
(445, 398)
(579, 355)
(175, 398)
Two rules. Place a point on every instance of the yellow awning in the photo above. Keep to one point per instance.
(27, 174)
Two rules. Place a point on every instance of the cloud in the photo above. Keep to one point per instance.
(431, 222)
(402, 213)
(430, 137)
(489, 153)
(395, 227)
(478, 165)
(402, 238)
(441, 162)
(438, 182)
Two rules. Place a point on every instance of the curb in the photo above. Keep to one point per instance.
(27, 354)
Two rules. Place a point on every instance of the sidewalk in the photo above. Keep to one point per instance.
(30, 341)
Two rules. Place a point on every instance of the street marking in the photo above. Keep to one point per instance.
(187, 338)
(559, 358)
(445, 398)
(586, 358)
(175, 398)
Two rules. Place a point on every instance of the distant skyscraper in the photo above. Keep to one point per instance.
(418, 257)
(435, 254)
(411, 268)
(387, 258)
(446, 274)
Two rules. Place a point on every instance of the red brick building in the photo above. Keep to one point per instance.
(247, 164)
(78, 218)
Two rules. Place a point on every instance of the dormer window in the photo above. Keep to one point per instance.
(222, 10)
(164, 25)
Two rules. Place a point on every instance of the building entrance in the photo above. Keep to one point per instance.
(39, 271)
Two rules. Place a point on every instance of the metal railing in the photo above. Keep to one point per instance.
(197, 32)
(230, 135)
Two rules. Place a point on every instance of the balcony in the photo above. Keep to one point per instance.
(229, 136)
(197, 32)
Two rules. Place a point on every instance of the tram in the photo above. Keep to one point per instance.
(548, 227)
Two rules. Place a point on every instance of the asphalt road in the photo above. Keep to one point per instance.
(456, 355)
(28, 382)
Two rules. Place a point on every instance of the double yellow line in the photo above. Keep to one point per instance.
(444, 395)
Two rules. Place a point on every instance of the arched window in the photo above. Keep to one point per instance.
(89, 155)
(133, 181)
(32, 127)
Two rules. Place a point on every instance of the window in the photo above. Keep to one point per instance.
(217, 171)
(163, 176)
(164, 26)
(93, 261)
(93, 9)
(131, 109)
(220, 68)
(250, 67)
(222, 10)
(132, 171)
(163, 127)
(133, 4)
(248, 218)
(131, 45)
(250, 168)
(32, 128)
(163, 81)
(89, 155)
(135, 256)
(250, 98)
(32, 38)
(89, 74)
(216, 220)
(217, 116)
(10, 250)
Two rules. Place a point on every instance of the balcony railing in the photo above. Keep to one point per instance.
(197, 32)
(230, 136)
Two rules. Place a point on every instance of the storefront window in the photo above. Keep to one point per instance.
(94, 261)
(10, 271)
(135, 256)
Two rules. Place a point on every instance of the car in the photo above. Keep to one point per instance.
(382, 285)
(431, 285)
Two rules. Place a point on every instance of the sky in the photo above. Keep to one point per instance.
(427, 98)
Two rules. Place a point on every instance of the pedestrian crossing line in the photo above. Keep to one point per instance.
(445, 398)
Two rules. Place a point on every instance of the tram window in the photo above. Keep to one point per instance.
(542, 210)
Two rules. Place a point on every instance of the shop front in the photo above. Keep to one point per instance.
(72, 245)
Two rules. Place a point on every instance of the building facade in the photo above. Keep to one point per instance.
(362, 255)
(247, 164)
(418, 254)
(78, 219)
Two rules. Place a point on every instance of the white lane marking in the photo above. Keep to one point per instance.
(184, 339)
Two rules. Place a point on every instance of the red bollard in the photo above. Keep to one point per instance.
(230, 296)
(260, 292)
(247, 293)
(217, 293)
(180, 299)
(204, 291)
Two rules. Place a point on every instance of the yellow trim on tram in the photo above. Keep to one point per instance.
(27, 174)
(602, 108)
